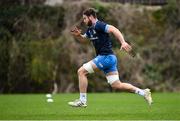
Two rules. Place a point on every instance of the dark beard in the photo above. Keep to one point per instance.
(89, 23)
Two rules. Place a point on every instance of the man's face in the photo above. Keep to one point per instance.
(87, 20)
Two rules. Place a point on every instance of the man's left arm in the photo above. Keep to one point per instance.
(119, 36)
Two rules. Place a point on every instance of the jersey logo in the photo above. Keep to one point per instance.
(100, 65)
(93, 38)
(94, 32)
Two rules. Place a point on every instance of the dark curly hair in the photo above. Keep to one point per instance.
(89, 12)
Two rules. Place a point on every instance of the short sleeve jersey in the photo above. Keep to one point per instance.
(100, 38)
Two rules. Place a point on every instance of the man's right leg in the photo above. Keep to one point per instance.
(83, 83)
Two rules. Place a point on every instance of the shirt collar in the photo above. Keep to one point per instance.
(95, 23)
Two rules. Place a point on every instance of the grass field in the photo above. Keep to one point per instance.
(101, 106)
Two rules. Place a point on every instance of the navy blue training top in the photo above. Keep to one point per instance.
(100, 38)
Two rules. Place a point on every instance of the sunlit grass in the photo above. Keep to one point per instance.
(101, 106)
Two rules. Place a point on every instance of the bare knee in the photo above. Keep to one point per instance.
(82, 72)
(116, 85)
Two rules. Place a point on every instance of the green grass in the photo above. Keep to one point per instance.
(108, 106)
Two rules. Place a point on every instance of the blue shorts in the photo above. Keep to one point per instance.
(106, 63)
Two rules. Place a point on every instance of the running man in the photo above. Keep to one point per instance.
(106, 61)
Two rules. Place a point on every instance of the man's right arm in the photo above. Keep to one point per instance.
(81, 38)
(76, 32)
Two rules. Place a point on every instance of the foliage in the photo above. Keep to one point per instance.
(38, 52)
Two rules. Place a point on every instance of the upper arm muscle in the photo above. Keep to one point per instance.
(111, 29)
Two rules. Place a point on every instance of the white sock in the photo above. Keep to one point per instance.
(139, 91)
(83, 97)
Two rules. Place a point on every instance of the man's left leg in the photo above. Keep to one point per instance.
(113, 79)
